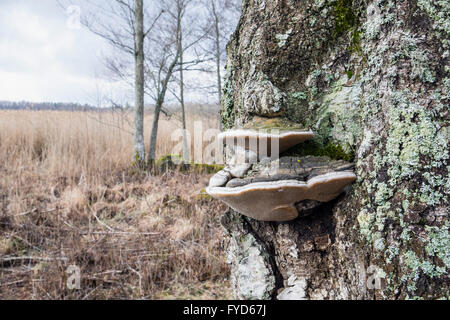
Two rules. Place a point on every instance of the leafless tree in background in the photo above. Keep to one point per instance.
(122, 24)
(190, 36)
(222, 19)
(181, 9)
(139, 146)
(155, 43)
(177, 37)
(161, 61)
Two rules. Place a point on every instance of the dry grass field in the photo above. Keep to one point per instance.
(69, 197)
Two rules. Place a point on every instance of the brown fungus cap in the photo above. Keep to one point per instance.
(253, 139)
(275, 200)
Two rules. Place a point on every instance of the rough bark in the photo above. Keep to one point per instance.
(139, 147)
(186, 153)
(371, 79)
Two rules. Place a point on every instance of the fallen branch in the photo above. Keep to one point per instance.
(125, 233)
(25, 213)
(33, 211)
(102, 223)
(11, 283)
(12, 259)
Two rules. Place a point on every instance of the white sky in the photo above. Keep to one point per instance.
(43, 59)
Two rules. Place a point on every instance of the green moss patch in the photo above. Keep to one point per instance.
(315, 148)
(281, 124)
(346, 19)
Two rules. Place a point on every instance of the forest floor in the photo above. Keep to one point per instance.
(72, 205)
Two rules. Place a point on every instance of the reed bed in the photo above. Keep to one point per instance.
(70, 199)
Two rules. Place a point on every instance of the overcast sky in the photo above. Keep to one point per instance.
(44, 58)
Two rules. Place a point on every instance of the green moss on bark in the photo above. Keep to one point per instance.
(347, 20)
(315, 148)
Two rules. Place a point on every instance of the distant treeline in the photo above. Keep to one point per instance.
(25, 105)
(195, 108)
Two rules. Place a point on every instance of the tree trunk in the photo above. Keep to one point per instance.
(217, 40)
(371, 79)
(154, 133)
(217, 44)
(158, 107)
(186, 154)
(162, 89)
(139, 147)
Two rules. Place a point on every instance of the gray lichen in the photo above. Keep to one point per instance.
(251, 276)
(370, 78)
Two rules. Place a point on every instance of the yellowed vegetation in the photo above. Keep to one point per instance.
(81, 144)
(68, 196)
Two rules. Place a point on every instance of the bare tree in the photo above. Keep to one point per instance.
(122, 23)
(156, 55)
(183, 111)
(160, 65)
(152, 54)
(139, 146)
(216, 20)
(167, 59)
(223, 16)
(194, 36)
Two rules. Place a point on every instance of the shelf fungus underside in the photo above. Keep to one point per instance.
(273, 191)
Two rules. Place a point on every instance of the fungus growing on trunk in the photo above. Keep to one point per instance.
(219, 179)
(276, 200)
(263, 142)
(275, 192)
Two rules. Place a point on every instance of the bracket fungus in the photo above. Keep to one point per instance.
(263, 135)
(273, 190)
(276, 200)
(263, 142)
(219, 179)
(239, 164)
(291, 168)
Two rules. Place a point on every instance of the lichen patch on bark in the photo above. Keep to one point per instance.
(372, 80)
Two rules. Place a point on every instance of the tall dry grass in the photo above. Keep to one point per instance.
(81, 144)
(67, 197)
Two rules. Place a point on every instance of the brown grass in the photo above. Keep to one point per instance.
(69, 197)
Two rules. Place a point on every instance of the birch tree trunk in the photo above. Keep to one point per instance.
(159, 105)
(139, 147)
(217, 43)
(371, 79)
(218, 55)
(154, 133)
(186, 154)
